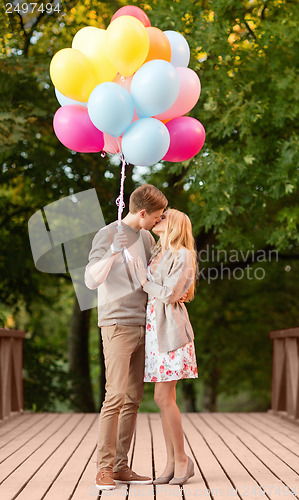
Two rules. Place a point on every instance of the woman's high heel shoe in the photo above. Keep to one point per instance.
(163, 479)
(189, 473)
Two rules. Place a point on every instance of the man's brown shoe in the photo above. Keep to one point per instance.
(104, 479)
(126, 475)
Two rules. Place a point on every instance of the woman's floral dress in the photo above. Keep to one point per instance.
(163, 367)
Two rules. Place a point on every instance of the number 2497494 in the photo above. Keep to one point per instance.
(24, 8)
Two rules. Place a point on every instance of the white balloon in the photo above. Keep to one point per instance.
(155, 87)
(67, 101)
(145, 142)
(180, 51)
(110, 108)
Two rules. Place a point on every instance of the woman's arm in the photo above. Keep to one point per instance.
(176, 283)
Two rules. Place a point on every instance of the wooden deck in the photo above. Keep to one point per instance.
(52, 456)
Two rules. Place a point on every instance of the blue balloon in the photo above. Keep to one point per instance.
(154, 88)
(180, 51)
(67, 101)
(145, 142)
(110, 108)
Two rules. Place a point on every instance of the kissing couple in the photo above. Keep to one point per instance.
(145, 328)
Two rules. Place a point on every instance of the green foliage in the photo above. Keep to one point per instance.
(46, 381)
(232, 319)
(245, 55)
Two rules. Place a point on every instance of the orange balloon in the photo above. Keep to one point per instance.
(159, 45)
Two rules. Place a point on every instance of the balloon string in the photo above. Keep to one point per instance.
(121, 205)
(120, 200)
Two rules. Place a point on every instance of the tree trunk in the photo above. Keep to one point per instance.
(189, 395)
(82, 398)
(211, 389)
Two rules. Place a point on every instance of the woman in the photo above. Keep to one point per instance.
(169, 346)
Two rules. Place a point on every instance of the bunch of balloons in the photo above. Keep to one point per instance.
(126, 90)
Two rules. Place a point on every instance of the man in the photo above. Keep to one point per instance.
(121, 316)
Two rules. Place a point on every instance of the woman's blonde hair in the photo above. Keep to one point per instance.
(179, 234)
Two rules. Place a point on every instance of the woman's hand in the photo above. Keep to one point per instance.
(184, 297)
(140, 270)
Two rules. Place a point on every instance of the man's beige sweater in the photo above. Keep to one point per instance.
(121, 299)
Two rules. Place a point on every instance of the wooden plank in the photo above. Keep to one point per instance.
(278, 393)
(86, 487)
(51, 421)
(142, 458)
(196, 486)
(252, 455)
(12, 426)
(278, 334)
(50, 470)
(5, 377)
(279, 460)
(286, 427)
(237, 474)
(162, 490)
(292, 382)
(17, 389)
(282, 438)
(61, 472)
(217, 481)
(7, 332)
(23, 437)
(283, 415)
(159, 449)
(21, 467)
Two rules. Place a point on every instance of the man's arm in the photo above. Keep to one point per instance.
(102, 256)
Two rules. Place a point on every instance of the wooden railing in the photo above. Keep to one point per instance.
(285, 373)
(11, 372)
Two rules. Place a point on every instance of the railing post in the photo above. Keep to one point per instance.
(11, 372)
(285, 373)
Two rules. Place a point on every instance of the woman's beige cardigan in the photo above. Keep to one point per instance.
(171, 280)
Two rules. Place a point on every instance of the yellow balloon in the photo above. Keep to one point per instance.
(91, 42)
(127, 44)
(72, 74)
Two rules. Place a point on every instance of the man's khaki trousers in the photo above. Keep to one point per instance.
(123, 348)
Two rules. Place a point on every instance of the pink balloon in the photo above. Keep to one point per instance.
(188, 95)
(132, 10)
(125, 82)
(187, 137)
(111, 144)
(75, 130)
